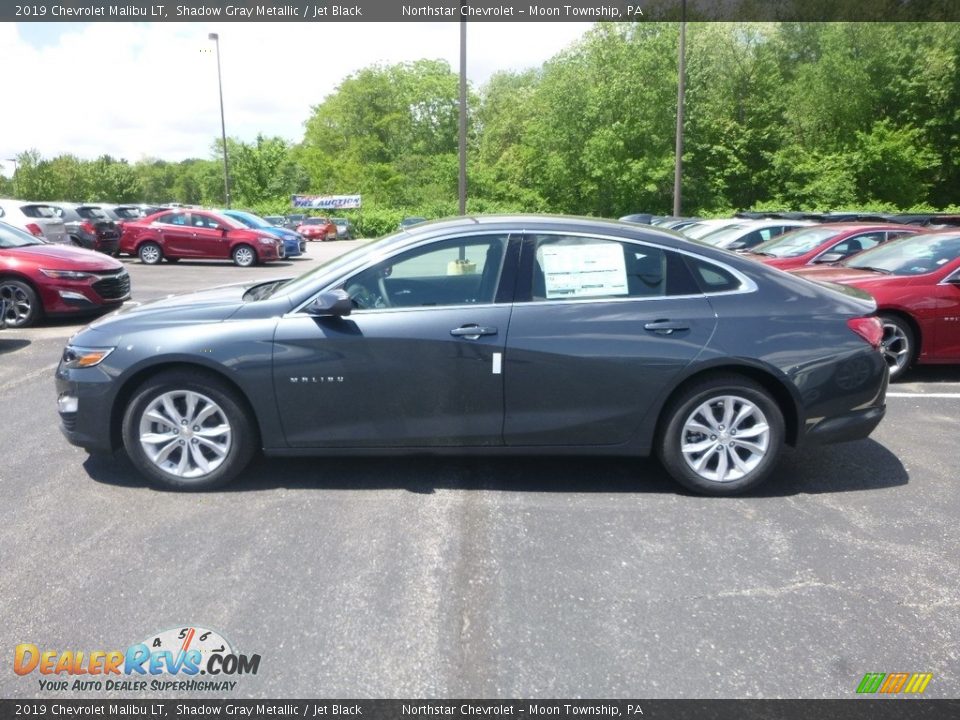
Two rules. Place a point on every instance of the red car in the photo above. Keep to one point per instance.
(827, 243)
(318, 228)
(916, 283)
(197, 234)
(39, 278)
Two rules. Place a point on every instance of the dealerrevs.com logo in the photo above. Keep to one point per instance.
(182, 659)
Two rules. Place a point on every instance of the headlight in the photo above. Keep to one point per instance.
(268, 241)
(75, 356)
(67, 274)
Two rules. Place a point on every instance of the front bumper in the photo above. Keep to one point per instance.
(84, 408)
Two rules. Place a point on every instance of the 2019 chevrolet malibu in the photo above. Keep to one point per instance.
(487, 335)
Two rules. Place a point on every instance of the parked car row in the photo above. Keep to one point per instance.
(178, 234)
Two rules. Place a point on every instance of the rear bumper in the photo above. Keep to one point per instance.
(854, 425)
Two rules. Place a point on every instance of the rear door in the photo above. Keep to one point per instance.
(177, 233)
(599, 328)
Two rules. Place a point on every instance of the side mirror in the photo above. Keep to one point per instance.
(830, 258)
(738, 245)
(336, 303)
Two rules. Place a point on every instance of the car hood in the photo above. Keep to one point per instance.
(63, 257)
(214, 305)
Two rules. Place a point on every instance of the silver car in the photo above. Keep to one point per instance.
(750, 233)
(37, 218)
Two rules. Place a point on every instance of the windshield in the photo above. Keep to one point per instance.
(915, 255)
(698, 230)
(797, 243)
(249, 220)
(315, 221)
(11, 237)
(723, 235)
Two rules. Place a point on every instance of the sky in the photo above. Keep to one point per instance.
(139, 90)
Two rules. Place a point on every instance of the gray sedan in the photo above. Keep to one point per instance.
(490, 335)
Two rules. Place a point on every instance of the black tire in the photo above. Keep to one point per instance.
(898, 345)
(22, 306)
(244, 256)
(721, 445)
(235, 447)
(150, 253)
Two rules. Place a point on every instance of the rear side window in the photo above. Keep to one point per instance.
(574, 268)
(713, 278)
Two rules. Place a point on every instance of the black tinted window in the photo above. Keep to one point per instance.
(452, 272)
(713, 278)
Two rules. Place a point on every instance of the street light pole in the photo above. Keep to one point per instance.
(463, 115)
(223, 125)
(681, 87)
(15, 165)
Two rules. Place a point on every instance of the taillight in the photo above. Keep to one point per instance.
(34, 229)
(869, 328)
(88, 227)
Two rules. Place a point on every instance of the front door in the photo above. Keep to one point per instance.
(417, 364)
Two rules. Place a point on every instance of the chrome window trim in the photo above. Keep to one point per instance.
(747, 284)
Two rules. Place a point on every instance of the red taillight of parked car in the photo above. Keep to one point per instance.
(88, 227)
(869, 328)
(34, 229)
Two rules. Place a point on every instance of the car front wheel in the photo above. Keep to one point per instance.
(244, 256)
(188, 431)
(722, 436)
(21, 306)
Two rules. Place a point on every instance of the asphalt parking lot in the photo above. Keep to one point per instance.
(488, 578)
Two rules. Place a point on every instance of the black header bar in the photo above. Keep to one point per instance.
(481, 10)
(854, 709)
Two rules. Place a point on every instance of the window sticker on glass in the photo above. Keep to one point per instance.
(589, 270)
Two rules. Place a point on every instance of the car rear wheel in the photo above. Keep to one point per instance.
(150, 253)
(244, 256)
(722, 436)
(897, 345)
(188, 431)
(22, 305)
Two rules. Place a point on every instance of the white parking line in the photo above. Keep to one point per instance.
(924, 395)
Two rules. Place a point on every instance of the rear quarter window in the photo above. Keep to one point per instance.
(712, 278)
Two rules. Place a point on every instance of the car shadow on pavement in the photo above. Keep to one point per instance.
(863, 465)
(12, 345)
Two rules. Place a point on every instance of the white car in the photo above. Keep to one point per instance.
(38, 219)
(749, 233)
(703, 227)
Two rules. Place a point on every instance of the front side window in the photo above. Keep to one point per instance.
(458, 271)
(574, 268)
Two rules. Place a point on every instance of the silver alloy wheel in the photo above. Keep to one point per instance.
(185, 434)
(18, 307)
(150, 254)
(244, 256)
(725, 438)
(895, 346)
